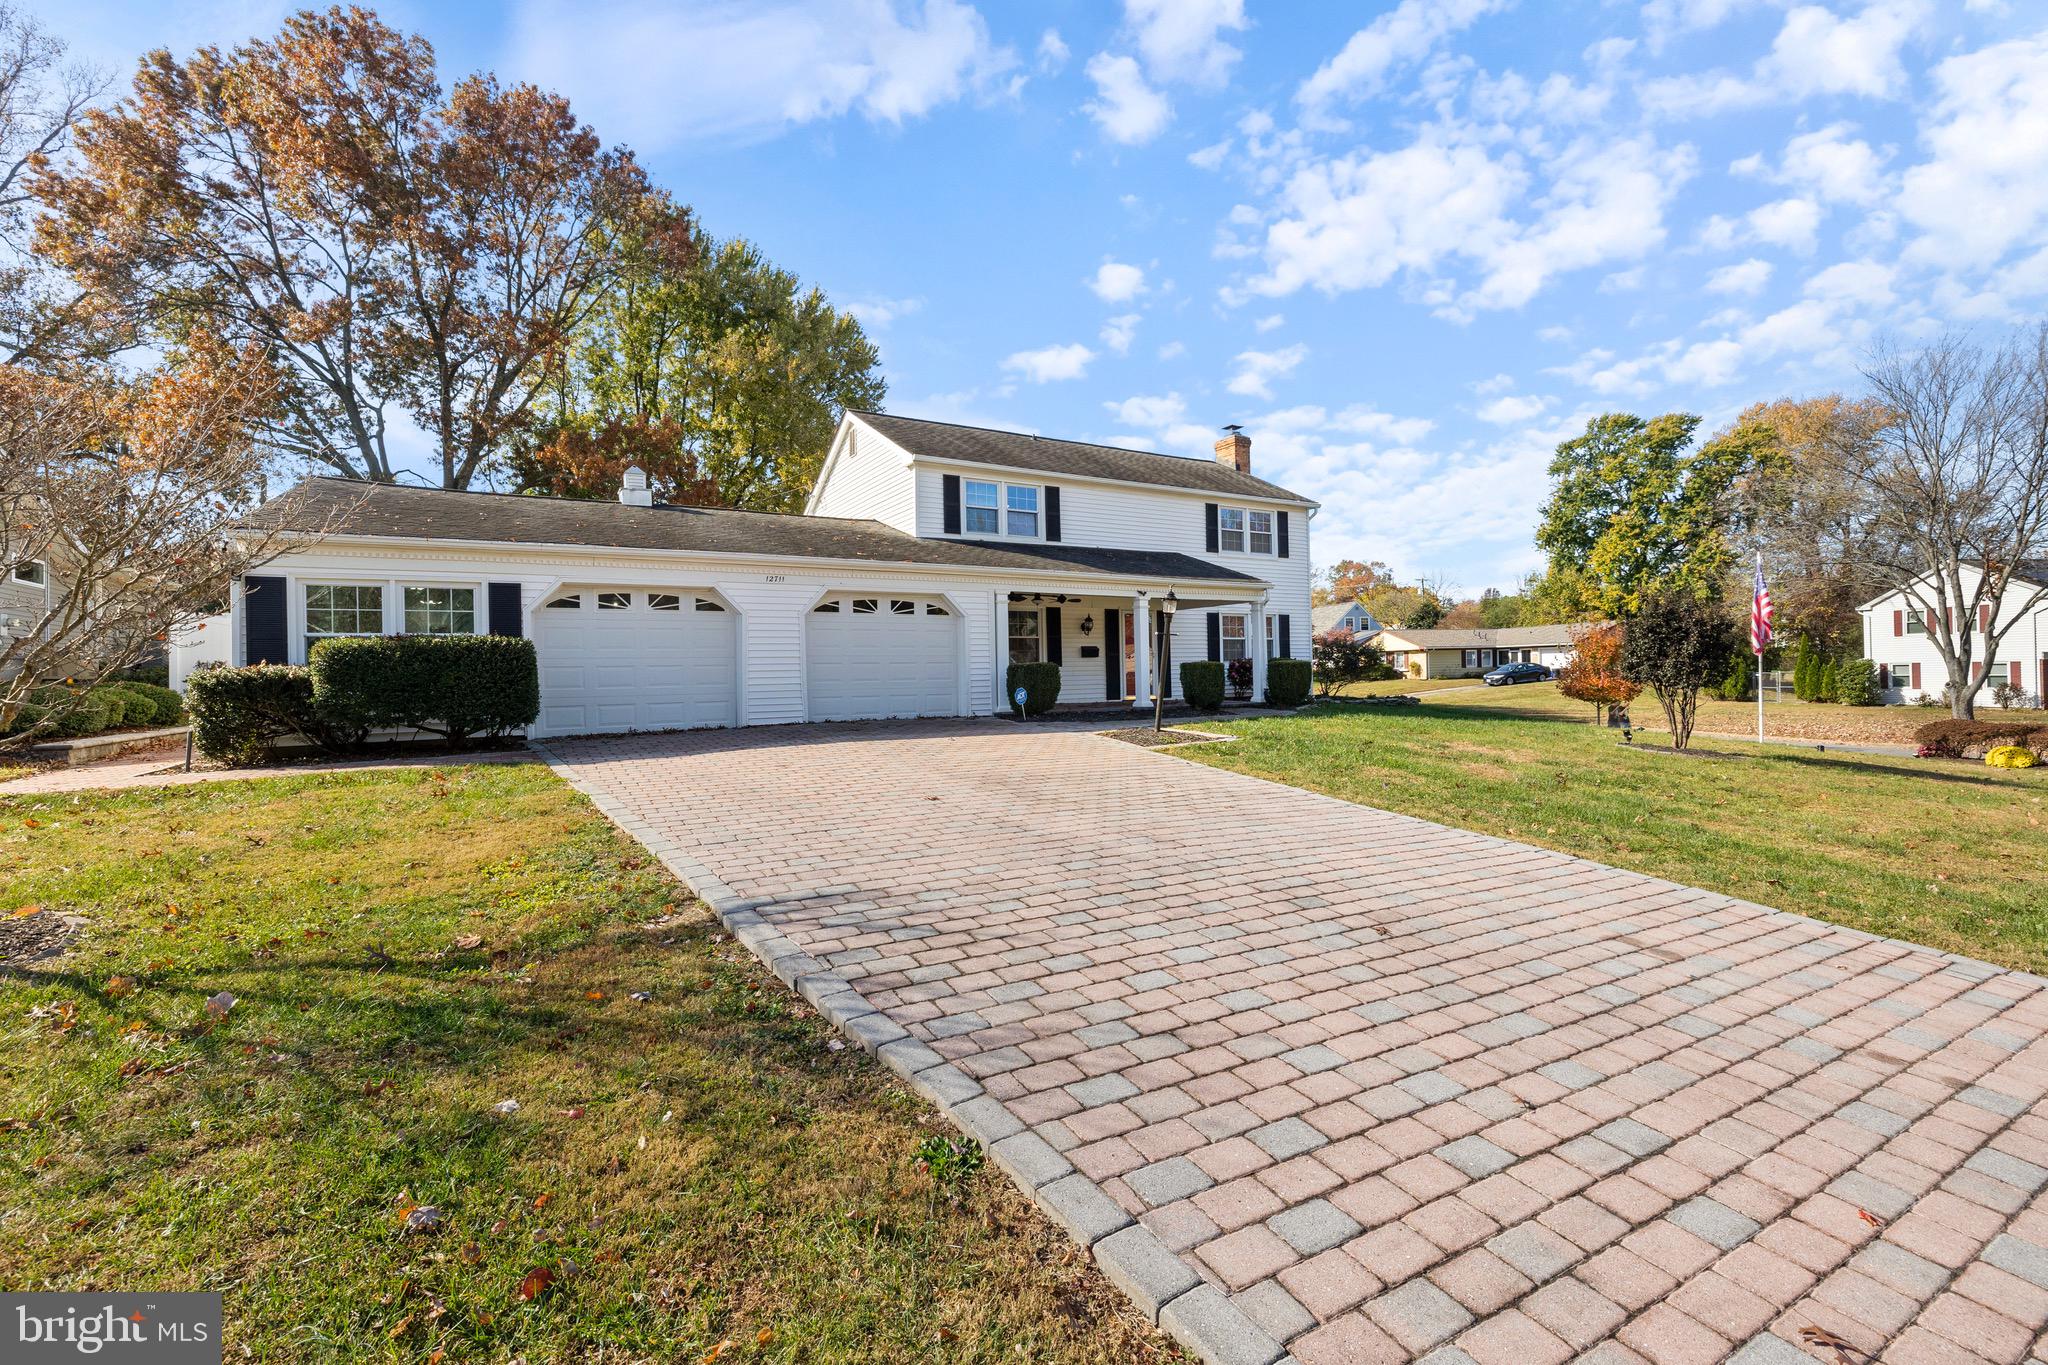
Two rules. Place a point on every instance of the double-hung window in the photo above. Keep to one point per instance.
(1916, 624)
(1470, 658)
(1230, 529)
(440, 611)
(1024, 638)
(1023, 501)
(1272, 636)
(1233, 637)
(334, 609)
(1262, 533)
(984, 508)
(1902, 677)
(31, 571)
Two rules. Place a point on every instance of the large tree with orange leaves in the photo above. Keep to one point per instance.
(388, 247)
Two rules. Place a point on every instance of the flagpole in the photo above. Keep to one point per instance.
(1759, 696)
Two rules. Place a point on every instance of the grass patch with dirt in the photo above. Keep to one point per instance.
(1943, 853)
(691, 1175)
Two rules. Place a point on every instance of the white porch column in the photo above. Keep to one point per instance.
(1255, 628)
(1141, 636)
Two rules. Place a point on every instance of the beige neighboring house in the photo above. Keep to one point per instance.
(1469, 653)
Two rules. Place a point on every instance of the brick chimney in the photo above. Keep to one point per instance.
(1235, 449)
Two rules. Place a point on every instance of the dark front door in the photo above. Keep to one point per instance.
(1130, 654)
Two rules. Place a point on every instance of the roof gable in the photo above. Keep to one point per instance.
(925, 439)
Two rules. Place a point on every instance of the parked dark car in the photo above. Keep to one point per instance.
(1507, 675)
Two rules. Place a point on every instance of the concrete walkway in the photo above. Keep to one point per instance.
(165, 769)
(1322, 1083)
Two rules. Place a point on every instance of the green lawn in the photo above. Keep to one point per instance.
(1944, 853)
(407, 949)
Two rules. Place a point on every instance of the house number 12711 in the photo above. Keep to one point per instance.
(775, 578)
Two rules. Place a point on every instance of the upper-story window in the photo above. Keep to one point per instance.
(29, 571)
(1915, 623)
(1230, 529)
(1023, 509)
(999, 509)
(984, 508)
(1242, 530)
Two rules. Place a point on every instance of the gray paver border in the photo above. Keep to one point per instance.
(1131, 1255)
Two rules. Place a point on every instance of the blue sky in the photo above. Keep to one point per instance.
(1409, 246)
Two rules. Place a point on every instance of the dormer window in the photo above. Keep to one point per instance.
(983, 508)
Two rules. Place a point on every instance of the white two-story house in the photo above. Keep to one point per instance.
(929, 557)
(1897, 628)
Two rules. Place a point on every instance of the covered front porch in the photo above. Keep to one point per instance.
(1109, 646)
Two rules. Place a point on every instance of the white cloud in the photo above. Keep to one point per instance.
(1500, 383)
(1984, 188)
(1051, 363)
(1256, 370)
(1052, 52)
(1357, 221)
(1862, 282)
(1790, 223)
(637, 69)
(1837, 167)
(1399, 37)
(1146, 412)
(1744, 277)
(1271, 322)
(1816, 52)
(874, 314)
(1118, 332)
(1129, 110)
(1708, 364)
(1510, 409)
(1181, 40)
(1173, 350)
(1211, 157)
(1116, 282)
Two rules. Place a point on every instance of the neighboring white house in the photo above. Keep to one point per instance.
(1469, 653)
(930, 556)
(1351, 616)
(1909, 664)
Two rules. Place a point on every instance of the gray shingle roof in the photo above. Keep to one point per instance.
(346, 506)
(1511, 637)
(1326, 616)
(1016, 450)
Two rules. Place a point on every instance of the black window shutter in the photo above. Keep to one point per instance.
(1209, 525)
(1052, 513)
(949, 499)
(1112, 655)
(1286, 628)
(1283, 540)
(504, 607)
(266, 639)
(1215, 637)
(1053, 653)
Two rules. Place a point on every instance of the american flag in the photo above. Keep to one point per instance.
(1760, 613)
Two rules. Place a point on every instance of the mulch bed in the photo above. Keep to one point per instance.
(25, 938)
(1148, 738)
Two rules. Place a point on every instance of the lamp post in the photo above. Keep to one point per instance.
(1167, 606)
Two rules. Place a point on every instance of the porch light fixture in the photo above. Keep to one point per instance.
(1087, 625)
(1169, 603)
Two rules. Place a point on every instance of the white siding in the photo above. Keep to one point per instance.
(866, 476)
(1887, 643)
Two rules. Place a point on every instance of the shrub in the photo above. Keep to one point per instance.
(1041, 684)
(240, 714)
(1735, 687)
(1339, 657)
(2011, 756)
(455, 686)
(1955, 738)
(1239, 672)
(156, 675)
(1856, 683)
(1674, 646)
(1201, 682)
(1829, 688)
(157, 705)
(1287, 682)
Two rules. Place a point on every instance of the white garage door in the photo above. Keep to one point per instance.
(876, 657)
(631, 659)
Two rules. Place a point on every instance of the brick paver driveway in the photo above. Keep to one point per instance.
(1391, 1090)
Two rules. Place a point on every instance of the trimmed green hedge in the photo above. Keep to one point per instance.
(240, 714)
(455, 686)
(60, 712)
(1041, 684)
(1287, 682)
(1201, 682)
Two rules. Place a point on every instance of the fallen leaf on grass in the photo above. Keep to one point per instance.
(119, 987)
(764, 1336)
(536, 1283)
(25, 911)
(505, 1107)
(425, 1218)
(593, 995)
(541, 1201)
(403, 1326)
(573, 1112)
(717, 1353)
(468, 941)
(219, 1005)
